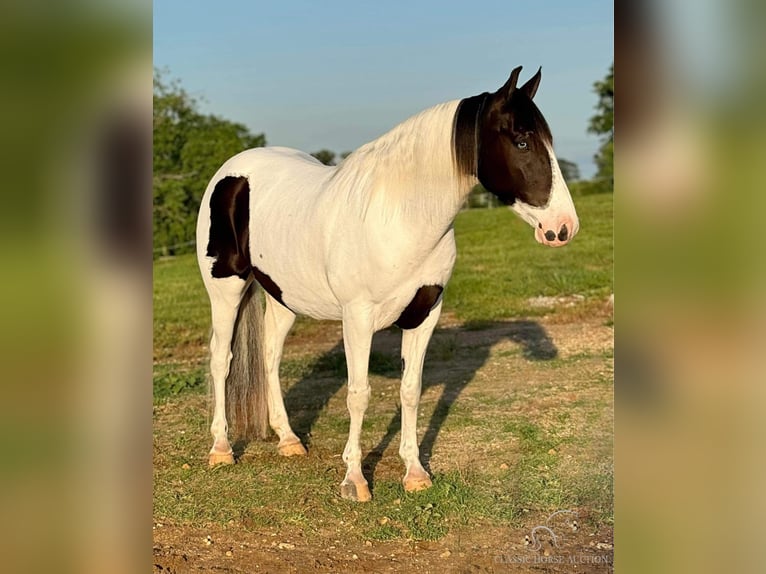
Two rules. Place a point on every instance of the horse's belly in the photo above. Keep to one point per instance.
(309, 286)
(313, 302)
(294, 265)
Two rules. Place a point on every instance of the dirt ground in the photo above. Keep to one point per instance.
(219, 549)
(480, 548)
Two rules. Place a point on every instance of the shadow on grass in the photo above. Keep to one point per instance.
(456, 352)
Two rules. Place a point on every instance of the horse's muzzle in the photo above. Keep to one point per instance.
(558, 233)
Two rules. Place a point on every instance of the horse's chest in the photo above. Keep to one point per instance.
(405, 293)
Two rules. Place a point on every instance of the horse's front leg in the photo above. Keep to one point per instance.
(357, 338)
(414, 344)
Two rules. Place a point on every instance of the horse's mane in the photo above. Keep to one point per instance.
(414, 163)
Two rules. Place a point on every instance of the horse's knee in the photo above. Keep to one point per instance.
(358, 397)
(219, 370)
(410, 396)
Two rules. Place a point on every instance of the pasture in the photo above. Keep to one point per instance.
(515, 423)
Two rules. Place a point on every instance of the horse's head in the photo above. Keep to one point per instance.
(514, 159)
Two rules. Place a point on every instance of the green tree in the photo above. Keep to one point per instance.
(326, 156)
(602, 124)
(210, 141)
(569, 170)
(188, 149)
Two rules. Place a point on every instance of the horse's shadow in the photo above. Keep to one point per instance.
(457, 353)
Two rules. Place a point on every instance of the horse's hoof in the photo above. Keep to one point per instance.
(292, 449)
(416, 483)
(355, 492)
(216, 458)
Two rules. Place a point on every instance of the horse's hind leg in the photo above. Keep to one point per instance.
(278, 321)
(357, 339)
(414, 344)
(225, 296)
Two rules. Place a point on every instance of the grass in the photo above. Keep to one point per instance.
(521, 433)
(181, 308)
(500, 266)
(258, 496)
(261, 499)
(171, 379)
(551, 464)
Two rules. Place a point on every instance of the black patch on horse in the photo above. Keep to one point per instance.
(268, 284)
(229, 239)
(501, 138)
(229, 228)
(508, 171)
(418, 309)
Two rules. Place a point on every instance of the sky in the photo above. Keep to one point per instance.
(337, 74)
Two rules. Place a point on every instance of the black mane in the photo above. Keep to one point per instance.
(464, 134)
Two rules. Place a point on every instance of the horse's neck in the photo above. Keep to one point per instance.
(410, 174)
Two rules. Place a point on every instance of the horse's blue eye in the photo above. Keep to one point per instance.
(521, 145)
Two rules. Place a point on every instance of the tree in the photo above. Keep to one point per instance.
(210, 141)
(326, 156)
(188, 149)
(569, 170)
(602, 124)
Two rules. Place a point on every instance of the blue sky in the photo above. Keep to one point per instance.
(337, 74)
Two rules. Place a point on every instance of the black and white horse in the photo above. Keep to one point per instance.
(369, 242)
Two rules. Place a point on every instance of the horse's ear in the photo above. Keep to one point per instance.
(510, 85)
(530, 88)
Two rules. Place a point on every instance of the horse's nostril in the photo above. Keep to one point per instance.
(550, 235)
(564, 233)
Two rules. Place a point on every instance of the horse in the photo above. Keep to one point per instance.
(369, 242)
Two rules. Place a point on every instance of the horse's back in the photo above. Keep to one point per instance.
(275, 161)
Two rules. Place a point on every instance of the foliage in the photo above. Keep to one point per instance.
(188, 148)
(602, 124)
(590, 187)
(169, 380)
(326, 156)
(569, 170)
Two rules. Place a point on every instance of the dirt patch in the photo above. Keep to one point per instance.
(217, 548)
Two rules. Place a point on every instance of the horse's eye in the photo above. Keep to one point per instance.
(521, 145)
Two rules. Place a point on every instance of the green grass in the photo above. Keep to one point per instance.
(181, 308)
(256, 500)
(172, 379)
(500, 265)
(266, 491)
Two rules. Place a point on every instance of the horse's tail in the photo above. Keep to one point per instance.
(246, 385)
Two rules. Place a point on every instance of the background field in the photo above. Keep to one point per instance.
(516, 421)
